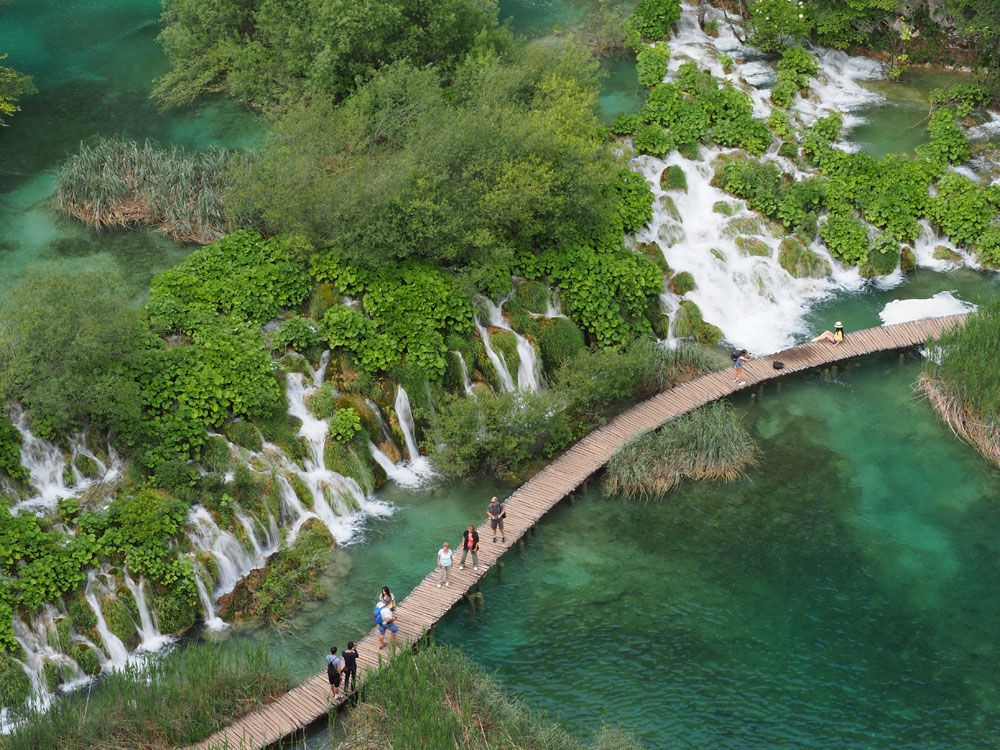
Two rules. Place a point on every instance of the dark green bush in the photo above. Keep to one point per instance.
(215, 455)
(655, 18)
(10, 450)
(244, 434)
(558, 341)
(846, 237)
(682, 283)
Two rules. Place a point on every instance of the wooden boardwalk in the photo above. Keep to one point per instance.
(427, 604)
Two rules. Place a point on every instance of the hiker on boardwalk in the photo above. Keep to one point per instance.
(836, 336)
(496, 513)
(386, 620)
(739, 357)
(387, 598)
(470, 543)
(333, 667)
(444, 564)
(350, 670)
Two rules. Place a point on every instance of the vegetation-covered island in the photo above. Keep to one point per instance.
(441, 259)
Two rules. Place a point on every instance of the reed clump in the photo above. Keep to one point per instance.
(166, 703)
(708, 443)
(962, 380)
(435, 697)
(114, 182)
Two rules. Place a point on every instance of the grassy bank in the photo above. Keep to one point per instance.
(174, 701)
(708, 443)
(438, 698)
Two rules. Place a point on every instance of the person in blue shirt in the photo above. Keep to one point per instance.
(333, 669)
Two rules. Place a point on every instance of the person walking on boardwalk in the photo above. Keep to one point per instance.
(470, 543)
(739, 357)
(836, 336)
(386, 620)
(444, 564)
(333, 668)
(350, 670)
(497, 513)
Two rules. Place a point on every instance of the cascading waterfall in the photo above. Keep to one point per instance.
(529, 371)
(417, 464)
(232, 560)
(112, 646)
(152, 638)
(212, 621)
(506, 382)
(466, 382)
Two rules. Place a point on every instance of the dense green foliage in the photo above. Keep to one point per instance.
(10, 450)
(651, 63)
(707, 443)
(654, 19)
(163, 703)
(795, 68)
(434, 697)
(272, 52)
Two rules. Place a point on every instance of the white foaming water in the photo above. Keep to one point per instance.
(466, 383)
(503, 374)
(212, 621)
(152, 638)
(399, 473)
(114, 649)
(942, 303)
(529, 372)
(232, 560)
(417, 464)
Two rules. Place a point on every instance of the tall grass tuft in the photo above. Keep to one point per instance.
(115, 182)
(962, 379)
(178, 700)
(435, 697)
(708, 443)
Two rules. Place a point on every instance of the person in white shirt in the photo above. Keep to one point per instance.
(444, 564)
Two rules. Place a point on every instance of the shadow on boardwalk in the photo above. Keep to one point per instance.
(426, 604)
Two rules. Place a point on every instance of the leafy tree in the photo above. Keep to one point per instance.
(68, 342)
(13, 86)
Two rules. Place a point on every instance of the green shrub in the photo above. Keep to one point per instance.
(176, 610)
(673, 178)
(215, 455)
(846, 238)
(176, 477)
(652, 140)
(966, 97)
(295, 333)
(558, 341)
(948, 142)
(655, 18)
(625, 124)
(961, 208)
(323, 297)
(883, 258)
(323, 401)
(244, 434)
(651, 64)
(10, 450)
(15, 685)
(531, 295)
(682, 283)
(636, 198)
(344, 425)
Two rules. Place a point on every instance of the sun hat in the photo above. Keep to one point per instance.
(839, 325)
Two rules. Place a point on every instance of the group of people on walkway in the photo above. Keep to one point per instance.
(342, 668)
(742, 356)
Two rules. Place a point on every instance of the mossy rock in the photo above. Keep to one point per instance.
(883, 259)
(67, 474)
(682, 283)
(800, 261)
(338, 458)
(244, 434)
(119, 621)
(324, 297)
(125, 597)
(484, 365)
(673, 178)
(216, 455)
(87, 466)
(533, 296)
(718, 254)
(789, 149)
(64, 634)
(742, 226)
(690, 151)
(506, 343)
(671, 234)
(752, 246)
(295, 362)
(667, 204)
(944, 253)
(301, 489)
(176, 610)
(87, 659)
(369, 420)
(652, 251)
(661, 326)
(687, 319)
(83, 616)
(706, 333)
(52, 676)
(322, 402)
(907, 260)
(15, 685)
(726, 208)
(559, 340)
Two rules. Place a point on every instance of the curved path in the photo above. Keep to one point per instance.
(427, 604)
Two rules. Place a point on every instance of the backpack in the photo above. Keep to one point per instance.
(378, 615)
(735, 355)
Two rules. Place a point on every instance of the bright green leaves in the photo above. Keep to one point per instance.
(636, 201)
(962, 209)
(10, 450)
(344, 425)
(795, 68)
(651, 63)
(654, 19)
(948, 141)
(846, 237)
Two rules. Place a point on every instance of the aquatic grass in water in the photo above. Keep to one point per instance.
(707, 443)
(180, 699)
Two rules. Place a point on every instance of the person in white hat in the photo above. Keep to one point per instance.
(836, 336)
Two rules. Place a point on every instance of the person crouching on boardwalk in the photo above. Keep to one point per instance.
(470, 543)
(333, 667)
(444, 564)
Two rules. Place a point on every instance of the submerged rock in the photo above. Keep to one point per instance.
(742, 225)
(668, 205)
(671, 233)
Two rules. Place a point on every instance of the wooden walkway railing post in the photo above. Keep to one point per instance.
(419, 611)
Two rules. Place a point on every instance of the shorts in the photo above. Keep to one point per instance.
(739, 364)
(391, 627)
(494, 522)
(334, 679)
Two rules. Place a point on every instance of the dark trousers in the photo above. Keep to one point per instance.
(350, 678)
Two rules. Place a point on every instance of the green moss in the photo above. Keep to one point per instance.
(52, 676)
(15, 686)
(907, 260)
(559, 341)
(741, 226)
(671, 234)
(87, 466)
(301, 489)
(322, 402)
(505, 342)
(83, 616)
(64, 633)
(281, 428)
(687, 319)
(338, 457)
(718, 254)
(800, 261)
(244, 434)
(943, 253)
(661, 325)
(668, 205)
(752, 246)
(531, 295)
(726, 208)
(652, 251)
(87, 659)
(324, 297)
(295, 362)
(126, 598)
(119, 621)
(883, 258)
(706, 333)
(789, 149)
(673, 178)
(67, 475)
(485, 365)
(215, 455)
(682, 283)
(690, 151)
(176, 611)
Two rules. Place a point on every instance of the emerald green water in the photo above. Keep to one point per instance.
(840, 596)
(94, 63)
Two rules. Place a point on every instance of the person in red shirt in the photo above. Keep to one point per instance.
(470, 543)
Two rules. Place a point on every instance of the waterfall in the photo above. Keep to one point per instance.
(152, 638)
(417, 464)
(400, 473)
(554, 307)
(212, 621)
(529, 371)
(261, 550)
(503, 374)
(117, 654)
(466, 383)
(231, 559)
